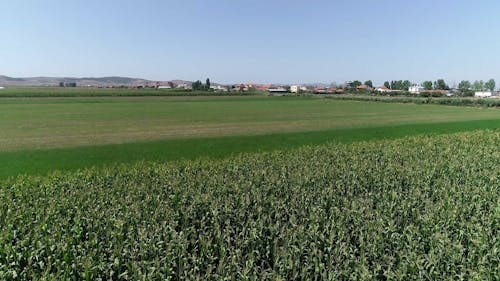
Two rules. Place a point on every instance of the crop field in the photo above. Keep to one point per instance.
(59, 122)
(51, 92)
(453, 101)
(38, 135)
(416, 208)
(247, 188)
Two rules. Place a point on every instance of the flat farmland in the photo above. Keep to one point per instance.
(69, 122)
(253, 188)
(39, 135)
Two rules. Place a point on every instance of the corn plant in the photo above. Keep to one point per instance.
(418, 208)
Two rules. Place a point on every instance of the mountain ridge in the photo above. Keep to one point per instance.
(83, 81)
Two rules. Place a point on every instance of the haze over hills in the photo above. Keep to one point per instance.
(110, 81)
(84, 81)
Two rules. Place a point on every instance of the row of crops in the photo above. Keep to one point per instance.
(454, 101)
(411, 209)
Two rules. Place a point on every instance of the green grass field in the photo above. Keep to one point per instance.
(34, 92)
(68, 122)
(38, 135)
(247, 188)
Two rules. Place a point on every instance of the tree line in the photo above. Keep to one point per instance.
(465, 87)
(468, 87)
(199, 86)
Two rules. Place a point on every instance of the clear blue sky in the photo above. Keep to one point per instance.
(282, 41)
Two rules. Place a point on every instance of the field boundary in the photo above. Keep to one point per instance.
(42, 162)
(450, 101)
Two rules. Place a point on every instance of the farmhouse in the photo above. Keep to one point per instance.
(487, 94)
(382, 89)
(363, 87)
(263, 87)
(297, 89)
(218, 88)
(331, 90)
(279, 90)
(184, 86)
(320, 90)
(415, 89)
(240, 88)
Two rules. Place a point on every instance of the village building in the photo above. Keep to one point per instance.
(279, 90)
(363, 87)
(382, 89)
(416, 89)
(487, 94)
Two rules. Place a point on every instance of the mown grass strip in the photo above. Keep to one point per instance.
(41, 162)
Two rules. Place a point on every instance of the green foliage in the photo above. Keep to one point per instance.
(198, 86)
(369, 83)
(465, 88)
(412, 209)
(490, 85)
(387, 84)
(356, 84)
(464, 85)
(478, 86)
(400, 85)
(427, 85)
(423, 98)
(440, 84)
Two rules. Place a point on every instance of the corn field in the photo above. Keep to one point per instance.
(419, 208)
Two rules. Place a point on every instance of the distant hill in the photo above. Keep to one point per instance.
(85, 81)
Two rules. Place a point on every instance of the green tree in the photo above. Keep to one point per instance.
(441, 85)
(427, 85)
(398, 85)
(197, 86)
(490, 85)
(356, 83)
(369, 83)
(387, 84)
(406, 85)
(478, 86)
(207, 84)
(465, 88)
(464, 85)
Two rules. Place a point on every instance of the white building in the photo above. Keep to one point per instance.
(1, 88)
(294, 89)
(279, 90)
(164, 87)
(183, 86)
(487, 94)
(382, 89)
(415, 89)
(219, 88)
